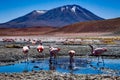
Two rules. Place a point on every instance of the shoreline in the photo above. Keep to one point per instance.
(33, 59)
(53, 75)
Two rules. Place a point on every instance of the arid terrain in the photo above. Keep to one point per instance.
(108, 27)
(24, 31)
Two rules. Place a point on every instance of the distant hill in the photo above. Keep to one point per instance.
(110, 25)
(38, 30)
(57, 17)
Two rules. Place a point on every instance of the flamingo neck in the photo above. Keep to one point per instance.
(40, 43)
(92, 50)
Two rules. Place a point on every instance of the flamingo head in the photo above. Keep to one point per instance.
(49, 46)
(71, 53)
(40, 42)
(104, 49)
(58, 49)
(28, 46)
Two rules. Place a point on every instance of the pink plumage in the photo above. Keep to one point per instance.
(54, 51)
(71, 53)
(40, 48)
(97, 51)
(26, 49)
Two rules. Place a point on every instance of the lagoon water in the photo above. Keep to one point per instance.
(80, 66)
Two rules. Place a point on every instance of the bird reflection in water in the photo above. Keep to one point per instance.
(52, 64)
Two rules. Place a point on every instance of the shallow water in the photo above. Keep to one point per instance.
(80, 66)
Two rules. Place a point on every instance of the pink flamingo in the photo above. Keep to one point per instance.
(71, 54)
(40, 48)
(25, 50)
(53, 52)
(33, 42)
(97, 52)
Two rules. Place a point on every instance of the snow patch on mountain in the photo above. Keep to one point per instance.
(40, 11)
(73, 9)
(62, 9)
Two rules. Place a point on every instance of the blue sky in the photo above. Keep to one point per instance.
(11, 9)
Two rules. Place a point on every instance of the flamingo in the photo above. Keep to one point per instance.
(71, 54)
(40, 48)
(25, 50)
(33, 42)
(53, 52)
(97, 52)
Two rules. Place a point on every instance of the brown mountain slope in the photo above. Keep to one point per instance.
(25, 31)
(110, 25)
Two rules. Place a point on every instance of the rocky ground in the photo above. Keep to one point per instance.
(52, 75)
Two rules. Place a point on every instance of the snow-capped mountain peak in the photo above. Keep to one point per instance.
(73, 8)
(66, 7)
(40, 11)
(62, 9)
(56, 17)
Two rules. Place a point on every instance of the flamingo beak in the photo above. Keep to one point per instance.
(29, 47)
(105, 49)
(58, 49)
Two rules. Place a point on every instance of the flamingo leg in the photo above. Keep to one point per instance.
(26, 65)
(27, 57)
(98, 61)
(55, 59)
(43, 57)
(50, 60)
(103, 61)
(42, 61)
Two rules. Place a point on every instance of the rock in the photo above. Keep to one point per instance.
(13, 46)
(52, 75)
